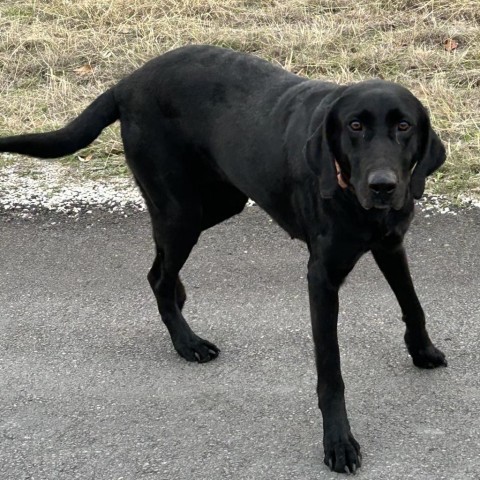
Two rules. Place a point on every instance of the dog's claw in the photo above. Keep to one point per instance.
(429, 358)
(195, 349)
(342, 455)
(424, 355)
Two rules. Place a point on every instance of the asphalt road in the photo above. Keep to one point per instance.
(91, 388)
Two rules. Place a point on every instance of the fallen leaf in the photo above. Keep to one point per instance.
(86, 69)
(450, 44)
(86, 159)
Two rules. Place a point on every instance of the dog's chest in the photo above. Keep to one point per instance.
(380, 228)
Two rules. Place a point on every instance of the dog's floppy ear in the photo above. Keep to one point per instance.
(321, 160)
(433, 158)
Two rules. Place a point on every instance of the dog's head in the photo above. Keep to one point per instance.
(380, 137)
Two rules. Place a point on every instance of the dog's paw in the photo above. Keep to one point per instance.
(196, 349)
(428, 356)
(343, 455)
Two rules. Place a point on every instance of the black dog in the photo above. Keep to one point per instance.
(338, 167)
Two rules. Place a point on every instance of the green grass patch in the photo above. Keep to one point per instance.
(18, 12)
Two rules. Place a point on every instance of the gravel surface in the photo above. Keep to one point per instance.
(52, 188)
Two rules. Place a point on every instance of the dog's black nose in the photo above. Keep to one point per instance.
(382, 182)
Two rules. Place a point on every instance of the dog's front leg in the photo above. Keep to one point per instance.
(392, 260)
(342, 451)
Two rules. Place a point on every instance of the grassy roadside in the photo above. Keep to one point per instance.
(45, 46)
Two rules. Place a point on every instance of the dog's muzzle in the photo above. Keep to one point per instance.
(382, 185)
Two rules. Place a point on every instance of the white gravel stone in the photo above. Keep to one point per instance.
(51, 187)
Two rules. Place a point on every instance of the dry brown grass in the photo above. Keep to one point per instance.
(42, 42)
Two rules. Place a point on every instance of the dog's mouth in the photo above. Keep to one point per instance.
(382, 205)
(380, 190)
(370, 202)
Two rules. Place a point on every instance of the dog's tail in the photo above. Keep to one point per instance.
(79, 133)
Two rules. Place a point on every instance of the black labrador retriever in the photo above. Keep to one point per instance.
(338, 167)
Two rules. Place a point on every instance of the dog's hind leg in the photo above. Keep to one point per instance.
(163, 278)
(175, 209)
(180, 294)
(217, 203)
(173, 245)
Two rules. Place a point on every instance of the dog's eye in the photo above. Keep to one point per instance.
(356, 126)
(403, 126)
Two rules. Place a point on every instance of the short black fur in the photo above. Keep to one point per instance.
(206, 128)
